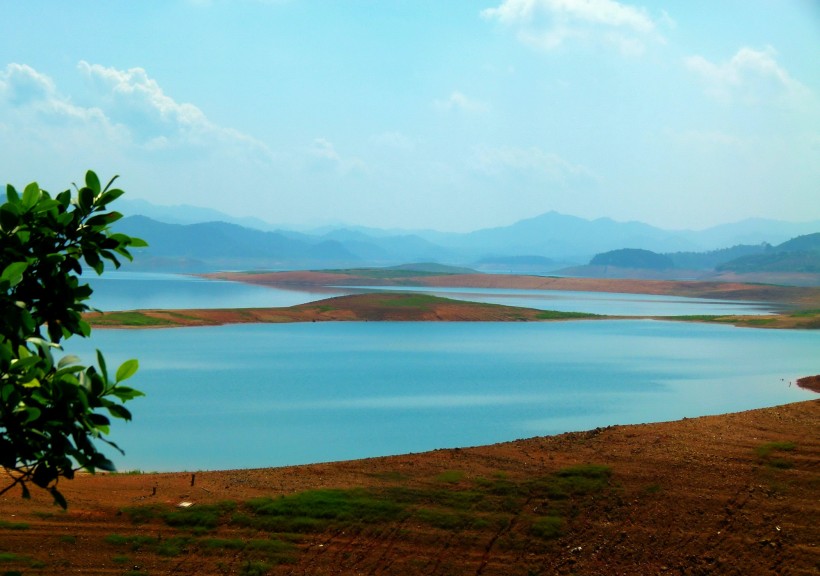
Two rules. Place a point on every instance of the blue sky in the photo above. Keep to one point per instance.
(453, 115)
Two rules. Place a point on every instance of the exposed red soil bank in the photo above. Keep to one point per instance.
(810, 383)
(732, 494)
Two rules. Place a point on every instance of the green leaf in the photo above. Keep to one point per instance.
(110, 182)
(30, 195)
(98, 420)
(12, 195)
(138, 243)
(59, 499)
(9, 217)
(85, 199)
(68, 360)
(102, 220)
(125, 393)
(119, 411)
(110, 196)
(93, 260)
(13, 273)
(127, 369)
(103, 368)
(84, 328)
(103, 463)
(92, 182)
(32, 414)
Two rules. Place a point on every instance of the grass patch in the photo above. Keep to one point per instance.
(134, 318)
(13, 525)
(196, 518)
(652, 489)
(135, 541)
(578, 480)
(805, 313)
(769, 453)
(445, 520)
(172, 546)
(142, 514)
(68, 539)
(254, 568)
(222, 543)
(557, 315)
(412, 300)
(10, 557)
(450, 502)
(562, 492)
(695, 318)
(318, 509)
(391, 476)
(450, 476)
(765, 450)
(548, 527)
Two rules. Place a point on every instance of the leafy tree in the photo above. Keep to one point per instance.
(53, 410)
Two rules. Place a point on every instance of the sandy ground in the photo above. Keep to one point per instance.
(729, 494)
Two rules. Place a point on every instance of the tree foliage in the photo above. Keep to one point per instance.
(52, 410)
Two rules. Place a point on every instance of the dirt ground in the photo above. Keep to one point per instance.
(728, 494)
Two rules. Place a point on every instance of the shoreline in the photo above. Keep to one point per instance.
(734, 493)
(411, 307)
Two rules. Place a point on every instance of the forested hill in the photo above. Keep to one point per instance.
(801, 254)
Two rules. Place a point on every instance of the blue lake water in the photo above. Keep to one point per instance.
(131, 291)
(269, 395)
(140, 290)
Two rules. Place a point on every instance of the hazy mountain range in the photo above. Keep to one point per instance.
(189, 238)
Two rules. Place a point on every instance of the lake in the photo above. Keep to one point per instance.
(269, 395)
(132, 291)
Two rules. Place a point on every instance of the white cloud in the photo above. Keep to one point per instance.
(751, 76)
(32, 106)
(324, 157)
(325, 150)
(28, 91)
(548, 24)
(458, 101)
(128, 110)
(156, 121)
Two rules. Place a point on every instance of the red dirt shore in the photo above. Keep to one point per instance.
(732, 494)
(800, 296)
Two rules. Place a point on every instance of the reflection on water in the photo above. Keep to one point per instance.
(264, 395)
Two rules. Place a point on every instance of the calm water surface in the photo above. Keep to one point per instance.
(143, 290)
(131, 291)
(267, 395)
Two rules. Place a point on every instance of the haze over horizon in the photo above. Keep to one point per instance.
(451, 116)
